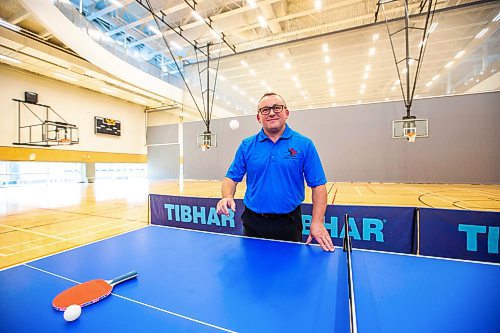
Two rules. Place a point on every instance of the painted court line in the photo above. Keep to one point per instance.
(31, 232)
(357, 189)
(70, 239)
(64, 233)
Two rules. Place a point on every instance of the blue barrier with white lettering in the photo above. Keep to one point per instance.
(194, 213)
(460, 234)
(371, 227)
(378, 228)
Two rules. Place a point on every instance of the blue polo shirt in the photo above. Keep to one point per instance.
(276, 171)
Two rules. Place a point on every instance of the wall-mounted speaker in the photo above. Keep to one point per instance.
(30, 97)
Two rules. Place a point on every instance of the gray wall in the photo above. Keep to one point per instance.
(163, 160)
(355, 142)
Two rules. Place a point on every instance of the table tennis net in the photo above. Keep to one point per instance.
(347, 248)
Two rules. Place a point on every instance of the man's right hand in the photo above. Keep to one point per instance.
(224, 204)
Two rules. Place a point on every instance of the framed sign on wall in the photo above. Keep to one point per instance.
(107, 126)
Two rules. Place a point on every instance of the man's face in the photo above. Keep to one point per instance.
(273, 122)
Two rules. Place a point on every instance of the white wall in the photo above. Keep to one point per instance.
(77, 106)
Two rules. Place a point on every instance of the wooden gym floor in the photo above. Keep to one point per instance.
(39, 220)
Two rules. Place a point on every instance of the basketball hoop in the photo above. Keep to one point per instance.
(411, 136)
(64, 141)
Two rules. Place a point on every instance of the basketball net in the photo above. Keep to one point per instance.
(64, 141)
(411, 136)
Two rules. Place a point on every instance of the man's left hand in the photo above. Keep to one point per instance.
(321, 235)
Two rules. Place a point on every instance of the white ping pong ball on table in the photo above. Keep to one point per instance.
(72, 312)
(234, 124)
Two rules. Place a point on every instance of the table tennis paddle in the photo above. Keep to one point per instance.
(89, 292)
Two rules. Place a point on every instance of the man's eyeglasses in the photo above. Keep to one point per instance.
(277, 108)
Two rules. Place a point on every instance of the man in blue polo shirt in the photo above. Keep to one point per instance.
(277, 161)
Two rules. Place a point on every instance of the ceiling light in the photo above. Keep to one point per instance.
(362, 91)
(302, 93)
(235, 87)
(329, 73)
(294, 78)
(371, 52)
(262, 21)
(222, 78)
(154, 30)
(197, 16)
(497, 18)
(393, 88)
(65, 77)
(244, 63)
(481, 33)
(363, 86)
(116, 3)
(428, 84)
(9, 25)
(433, 27)
(330, 80)
(107, 90)
(435, 77)
(297, 84)
(327, 59)
(375, 37)
(459, 54)
(175, 45)
(397, 82)
(365, 76)
(263, 83)
(449, 64)
(215, 34)
(288, 66)
(317, 4)
(281, 55)
(368, 67)
(252, 3)
(242, 93)
(324, 47)
(9, 59)
(411, 61)
(252, 72)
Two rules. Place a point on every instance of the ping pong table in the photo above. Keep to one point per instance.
(191, 281)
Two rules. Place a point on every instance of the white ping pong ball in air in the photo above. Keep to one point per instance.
(234, 124)
(72, 312)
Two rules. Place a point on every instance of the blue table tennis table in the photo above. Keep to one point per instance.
(191, 281)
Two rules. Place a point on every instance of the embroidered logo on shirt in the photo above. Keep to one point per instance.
(291, 154)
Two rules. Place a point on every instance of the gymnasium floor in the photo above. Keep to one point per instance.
(39, 220)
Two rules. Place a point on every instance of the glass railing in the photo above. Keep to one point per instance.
(131, 56)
